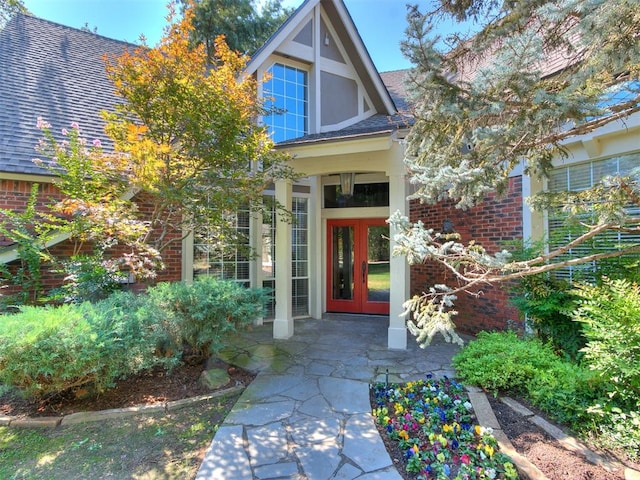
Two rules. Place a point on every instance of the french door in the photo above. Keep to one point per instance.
(358, 266)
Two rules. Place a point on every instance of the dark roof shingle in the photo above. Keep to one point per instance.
(58, 73)
(55, 72)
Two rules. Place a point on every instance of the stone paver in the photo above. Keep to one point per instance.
(307, 414)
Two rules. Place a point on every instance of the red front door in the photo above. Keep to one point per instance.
(358, 266)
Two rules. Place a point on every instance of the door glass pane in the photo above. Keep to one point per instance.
(378, 278)
(342, 263)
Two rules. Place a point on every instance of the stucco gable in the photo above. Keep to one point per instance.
(344, 86)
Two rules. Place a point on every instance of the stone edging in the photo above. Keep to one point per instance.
(91, 416)
(528, 470)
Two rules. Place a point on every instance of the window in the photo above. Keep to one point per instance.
(287, 99)
(364, 195)
(300, 257)
(580, 177)
(299, 254)
(227, 262)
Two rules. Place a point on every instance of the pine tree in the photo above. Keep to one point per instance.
(532, 75)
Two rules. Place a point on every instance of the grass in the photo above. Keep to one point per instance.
(379, 276)
(156, 446)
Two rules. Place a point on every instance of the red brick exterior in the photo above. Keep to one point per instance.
(492, 222)
(14, 195)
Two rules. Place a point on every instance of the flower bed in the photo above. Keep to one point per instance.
(433, 424)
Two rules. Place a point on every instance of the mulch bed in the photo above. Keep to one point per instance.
(150, 387)
(544, 451)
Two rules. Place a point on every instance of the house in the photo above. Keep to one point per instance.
(343, 125)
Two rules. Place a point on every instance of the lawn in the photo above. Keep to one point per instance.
(378, 276)
(152, 446)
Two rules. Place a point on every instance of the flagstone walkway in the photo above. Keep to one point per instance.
(307, 413)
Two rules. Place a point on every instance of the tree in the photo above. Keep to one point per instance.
(188, 133)
(492, 103)
(8, 8)
(244, 26)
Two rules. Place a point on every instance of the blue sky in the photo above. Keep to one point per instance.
(381, 23)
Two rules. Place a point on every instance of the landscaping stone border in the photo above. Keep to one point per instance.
(528, 470)
(486, 418)
(100, 415)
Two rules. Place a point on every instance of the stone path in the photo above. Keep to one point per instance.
(307, 413)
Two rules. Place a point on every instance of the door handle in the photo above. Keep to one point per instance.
(364, 271)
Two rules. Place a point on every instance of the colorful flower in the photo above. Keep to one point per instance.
(433, 422)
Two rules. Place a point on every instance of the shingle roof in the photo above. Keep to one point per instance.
(55, 72)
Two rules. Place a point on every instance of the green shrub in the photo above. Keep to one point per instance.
(202, 314)
(547, 303)
(571, 393)
(88, 278)
(502, 361)
(48, 350)
(566, 391)
(610, 315)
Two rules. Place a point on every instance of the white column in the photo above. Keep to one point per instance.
(283, 323)
(255, 266)
(397, 335)
(187, 258)
(316, 278)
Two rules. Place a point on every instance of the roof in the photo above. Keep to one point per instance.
(55, 72)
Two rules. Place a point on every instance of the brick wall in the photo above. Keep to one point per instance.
(489, 224)
(14, 195)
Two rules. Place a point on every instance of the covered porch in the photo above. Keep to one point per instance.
(373, 160)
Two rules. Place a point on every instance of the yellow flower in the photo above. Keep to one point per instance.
(478, 430)
(489, 450)
(403, 434)
(415, 449)
(447, 428)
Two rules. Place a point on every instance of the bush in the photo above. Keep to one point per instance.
(566, 391)
(48, 350)
(571, 393)
(203, 313)
(610, 315)
(547, 303)
(88, 278)
(501, 361)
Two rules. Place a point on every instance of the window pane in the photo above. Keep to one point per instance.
(228, 262)
(579, 177)
(288, 87)
(277, 72)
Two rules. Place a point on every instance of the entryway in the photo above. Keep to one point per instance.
(358, 274)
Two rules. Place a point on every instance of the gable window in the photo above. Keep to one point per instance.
(287, 101)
